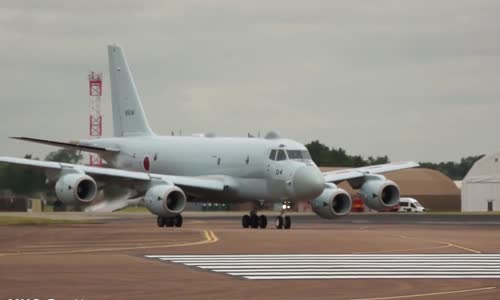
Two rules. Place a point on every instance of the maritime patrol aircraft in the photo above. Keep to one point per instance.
(165, 172)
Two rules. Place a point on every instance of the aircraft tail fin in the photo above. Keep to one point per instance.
(129, 118)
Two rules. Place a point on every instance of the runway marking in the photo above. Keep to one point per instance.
(443, 243)
(343, 266)
(430, 294)
(209, 235)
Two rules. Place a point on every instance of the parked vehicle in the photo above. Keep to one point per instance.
(410, 205)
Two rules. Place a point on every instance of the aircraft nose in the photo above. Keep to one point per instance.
(308, 182)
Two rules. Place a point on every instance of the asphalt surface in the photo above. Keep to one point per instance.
(127, 256)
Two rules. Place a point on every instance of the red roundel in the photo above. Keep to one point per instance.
(145, 163)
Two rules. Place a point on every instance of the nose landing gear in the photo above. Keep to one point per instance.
(283, 221)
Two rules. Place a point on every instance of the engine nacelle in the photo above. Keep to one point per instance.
(378, 193)
(76, 189)
(333, 202)
(165, 200)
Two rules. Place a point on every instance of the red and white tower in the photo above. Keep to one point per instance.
(95, 117)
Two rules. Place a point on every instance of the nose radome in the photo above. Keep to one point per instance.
(308, 182)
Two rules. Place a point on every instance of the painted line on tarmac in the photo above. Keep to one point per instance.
(209, 235)
(444, 243)
(343, 266)
(430, 294)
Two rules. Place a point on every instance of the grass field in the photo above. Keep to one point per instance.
(16, 220)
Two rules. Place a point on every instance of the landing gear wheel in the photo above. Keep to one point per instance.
(160, 221)
(279, 222)
(254, 221)
(178, 221)
(288, 222)
(59, 206)
(169, 222)
(245, 221)
(262, 221)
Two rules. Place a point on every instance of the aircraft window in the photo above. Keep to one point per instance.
(294, 154)
(281, 155)
(305, 154)
(273, 155)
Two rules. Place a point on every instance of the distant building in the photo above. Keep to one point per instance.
(434, 190)
(481, 186)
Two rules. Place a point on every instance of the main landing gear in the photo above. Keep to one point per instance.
(169, 222)
(253, 220)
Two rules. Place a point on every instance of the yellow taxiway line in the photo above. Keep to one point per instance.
(209, 235)
(430, 294)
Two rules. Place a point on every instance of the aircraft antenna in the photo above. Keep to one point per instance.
(95, 116)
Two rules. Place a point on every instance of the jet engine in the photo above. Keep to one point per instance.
(333, 202)
(378, 193)
(165, 200)
(76, 189)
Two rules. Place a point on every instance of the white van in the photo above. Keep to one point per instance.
(410, 205)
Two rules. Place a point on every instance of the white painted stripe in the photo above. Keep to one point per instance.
(359, 273)
(357, 256)
(375, 277)
(236, 270)
(331, 264)
(331, 261)
(345, 266)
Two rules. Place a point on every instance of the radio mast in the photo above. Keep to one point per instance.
(95, 116)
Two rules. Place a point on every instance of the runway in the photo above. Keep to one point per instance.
(129, 257)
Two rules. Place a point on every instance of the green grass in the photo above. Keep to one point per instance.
(15, 220)
(134, 209)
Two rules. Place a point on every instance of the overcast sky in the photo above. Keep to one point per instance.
(415, 80)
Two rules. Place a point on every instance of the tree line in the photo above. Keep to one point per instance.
(324, 156)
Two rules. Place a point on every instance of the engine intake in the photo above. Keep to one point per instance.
(165, 200)
(76, 189)
(333, 202)
(378, 193)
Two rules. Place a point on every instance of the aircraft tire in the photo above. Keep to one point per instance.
(288, 222)
(245, 221)
(178, 221)
(262, 221)
(160, 221)
(59, 206)
(169, 222)
(279, 222)
(254, 221)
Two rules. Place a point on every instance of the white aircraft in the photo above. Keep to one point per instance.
(167, 171)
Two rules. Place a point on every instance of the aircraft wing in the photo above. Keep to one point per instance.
(72, 145)
(120, 176)
(346, 174)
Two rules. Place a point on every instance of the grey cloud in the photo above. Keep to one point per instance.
(413, 79)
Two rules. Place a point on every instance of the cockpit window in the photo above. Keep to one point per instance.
(294, 154)
(272, 156)
(298, 154)
(281, 155)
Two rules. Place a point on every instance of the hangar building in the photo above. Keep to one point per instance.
(481, 186)
(434, 190)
